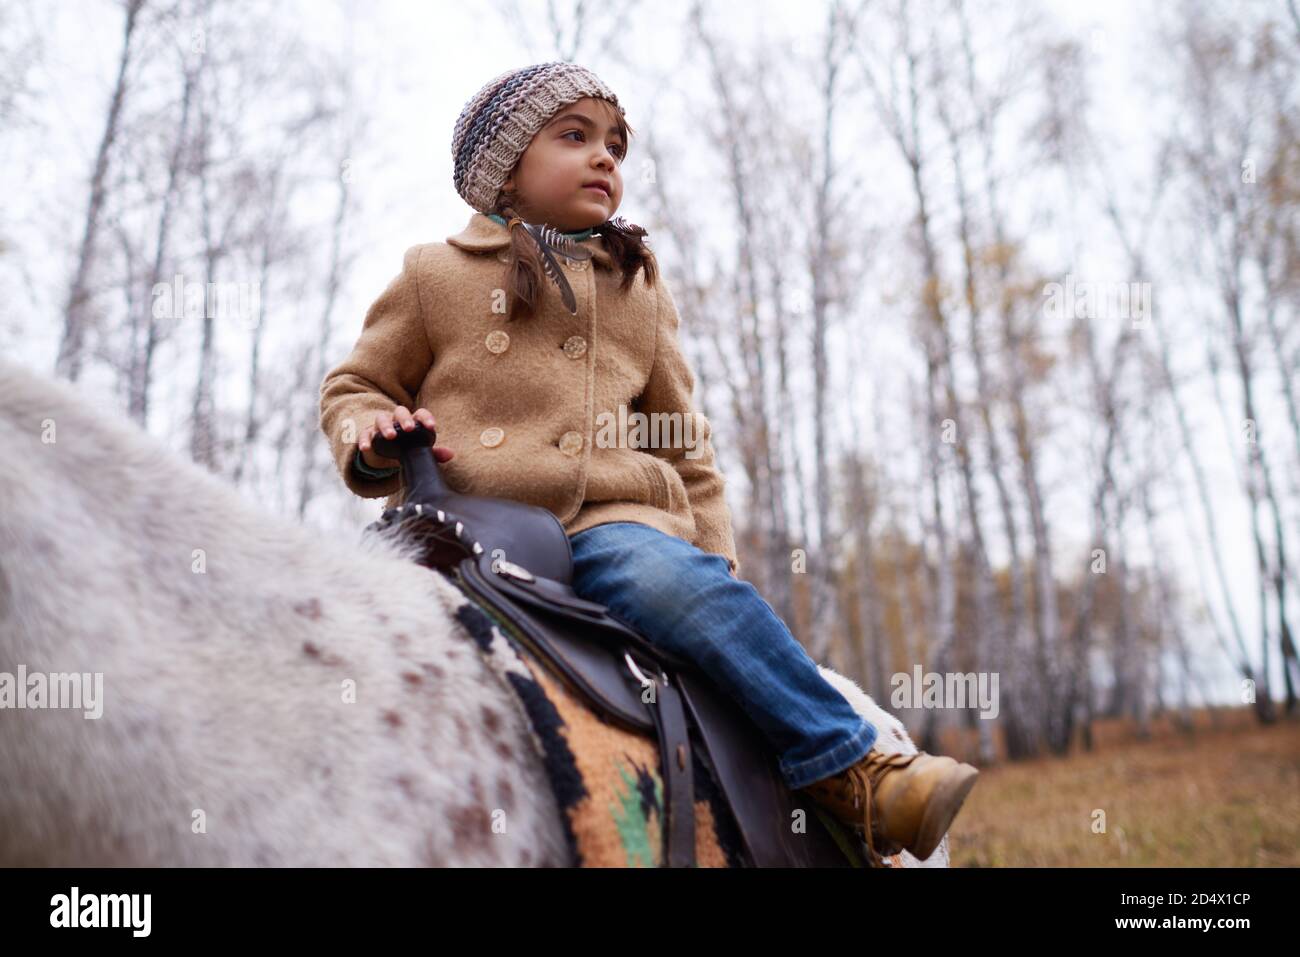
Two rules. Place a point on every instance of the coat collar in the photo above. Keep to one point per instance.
(484, 235)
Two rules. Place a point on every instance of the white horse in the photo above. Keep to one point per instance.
(269, 696)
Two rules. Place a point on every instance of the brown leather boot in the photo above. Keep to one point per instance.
(898, 801)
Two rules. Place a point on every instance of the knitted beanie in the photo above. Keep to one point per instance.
(500, 120)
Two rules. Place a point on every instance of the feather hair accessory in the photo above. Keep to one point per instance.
(550, 242)
(621, 226)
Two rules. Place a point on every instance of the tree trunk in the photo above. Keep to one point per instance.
(76, 313)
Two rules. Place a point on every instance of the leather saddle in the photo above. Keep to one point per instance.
(514, 560)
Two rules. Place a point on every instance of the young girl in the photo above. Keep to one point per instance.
(528, 379)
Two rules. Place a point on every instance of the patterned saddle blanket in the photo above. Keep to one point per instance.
(606, 779)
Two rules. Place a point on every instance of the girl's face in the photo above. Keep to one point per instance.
(553, 180)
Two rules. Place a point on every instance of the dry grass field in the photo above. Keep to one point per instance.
(1224, 796)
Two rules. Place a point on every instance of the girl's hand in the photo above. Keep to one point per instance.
(388, 424)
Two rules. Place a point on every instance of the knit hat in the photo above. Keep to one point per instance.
(500, 120)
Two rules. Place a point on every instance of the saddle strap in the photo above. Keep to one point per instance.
(678, 775)
(747, 772)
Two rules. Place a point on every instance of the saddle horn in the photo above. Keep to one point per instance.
(526, 535)
(413, 449)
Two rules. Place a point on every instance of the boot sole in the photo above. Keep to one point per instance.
(942, 808)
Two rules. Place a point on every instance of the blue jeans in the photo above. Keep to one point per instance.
(686, 600)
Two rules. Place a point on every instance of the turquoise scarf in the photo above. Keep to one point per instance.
(576, 237)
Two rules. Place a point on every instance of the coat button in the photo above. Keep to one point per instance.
(497, 341)
(571, 443)
(575, 347)
(492, 437)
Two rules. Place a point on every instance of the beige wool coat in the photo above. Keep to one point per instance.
(531, 407)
